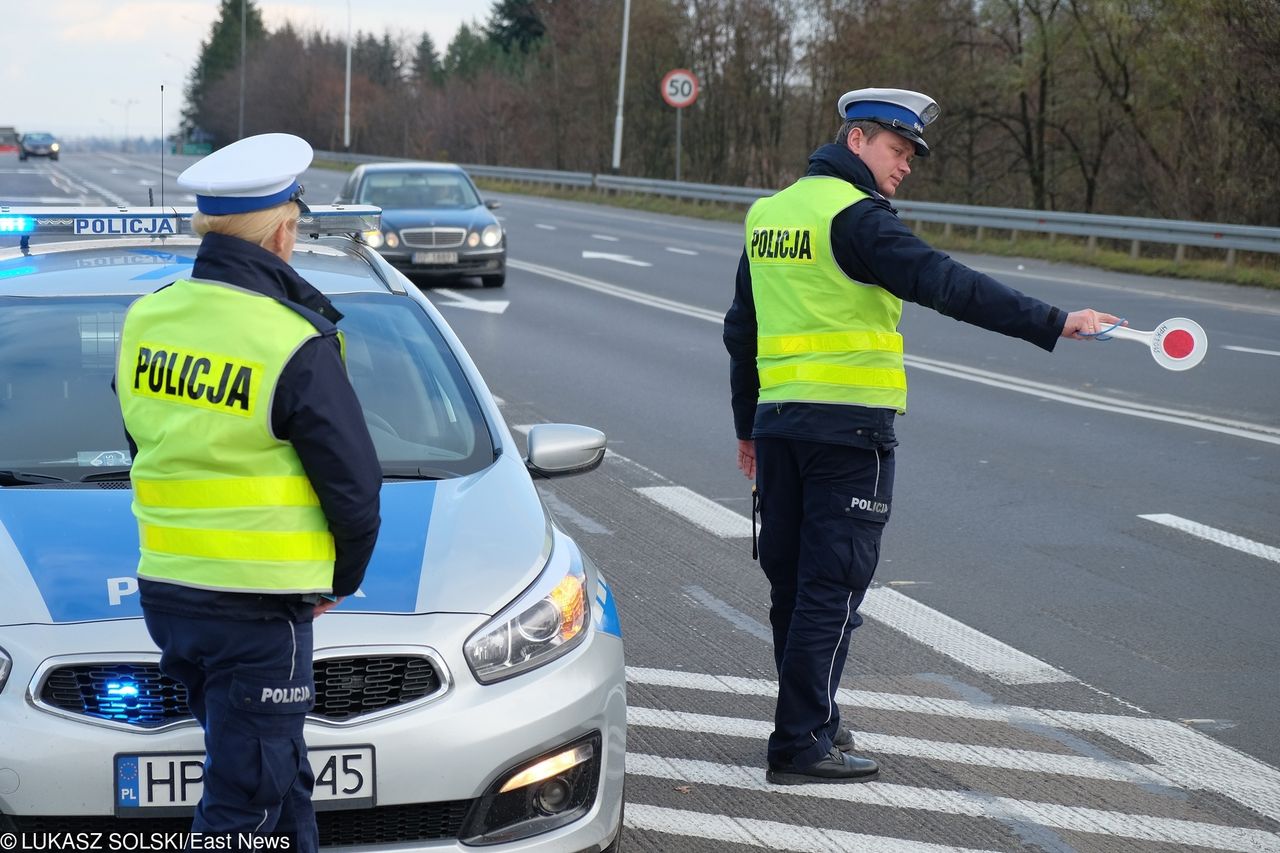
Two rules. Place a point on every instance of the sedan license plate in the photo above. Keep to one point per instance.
(435, 257)
(158, 784)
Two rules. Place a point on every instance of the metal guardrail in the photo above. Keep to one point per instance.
(1135, 230)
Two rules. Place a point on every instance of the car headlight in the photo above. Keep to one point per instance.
(492, 235)
(540, 626)
(473, 239)
(53, 147)
(392, 240)
(372, 238)
(6, 665)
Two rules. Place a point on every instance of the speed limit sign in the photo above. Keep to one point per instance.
(679, 88)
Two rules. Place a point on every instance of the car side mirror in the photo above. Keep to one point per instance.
(493, 205)
(559, 450)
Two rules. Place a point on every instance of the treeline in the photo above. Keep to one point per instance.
(1165, 108)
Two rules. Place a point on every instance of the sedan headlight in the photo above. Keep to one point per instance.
(540, 626)
(372, 238)
(392, 239)
(6, 664)
(473, 239)
(53, 147)
(492, 235)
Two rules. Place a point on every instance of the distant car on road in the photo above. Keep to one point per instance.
(434, 222)
(38, 145)
(8, 139)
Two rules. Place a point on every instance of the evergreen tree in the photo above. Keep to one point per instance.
(515, 25)
(427, 69)
(220, 55)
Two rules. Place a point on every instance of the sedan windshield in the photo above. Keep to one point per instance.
(418, 189)
(59, 419)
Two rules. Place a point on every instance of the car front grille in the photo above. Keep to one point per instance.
(138, 694)
(380, 825)
(433, 238)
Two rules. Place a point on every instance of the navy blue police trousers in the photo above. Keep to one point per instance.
(250, 685)
(823, 508)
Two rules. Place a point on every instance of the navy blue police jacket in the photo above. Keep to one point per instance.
(316, 410)
(873, 246)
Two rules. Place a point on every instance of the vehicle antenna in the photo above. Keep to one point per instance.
(162, 145)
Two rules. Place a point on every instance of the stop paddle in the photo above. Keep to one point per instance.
(1176, 344)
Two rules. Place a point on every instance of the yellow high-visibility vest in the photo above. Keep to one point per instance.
(221, 502)
(822, 337)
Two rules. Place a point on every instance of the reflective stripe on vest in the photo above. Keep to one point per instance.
(822, 337)
(221, 502)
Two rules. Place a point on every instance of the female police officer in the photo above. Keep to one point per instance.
(255, 483)
(817, 377)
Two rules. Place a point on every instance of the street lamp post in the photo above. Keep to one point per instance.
(622, 88)
(346, 101)
(128, 102)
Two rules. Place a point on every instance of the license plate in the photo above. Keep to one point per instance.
(435, 257)
(158, 784)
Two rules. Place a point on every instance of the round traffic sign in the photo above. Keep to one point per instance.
(679, 88)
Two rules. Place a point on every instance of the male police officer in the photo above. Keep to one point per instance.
(255, 483)
(817, 377)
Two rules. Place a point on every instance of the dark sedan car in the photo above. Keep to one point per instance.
(434, 222)
(38, 145)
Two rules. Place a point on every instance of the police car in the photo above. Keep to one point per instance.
(471, 693)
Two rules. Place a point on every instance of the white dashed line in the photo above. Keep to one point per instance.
(674, 250)
(604, 237)
(1252, 350)
(1216, 536)
(544, 227)
(704, 512)
(956, 640)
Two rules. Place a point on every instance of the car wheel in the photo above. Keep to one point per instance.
(494, 280)
(54, 157)
(22, 156)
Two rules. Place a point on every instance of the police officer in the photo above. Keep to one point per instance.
(255, 482)
(817, 378)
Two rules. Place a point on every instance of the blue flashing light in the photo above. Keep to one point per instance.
(17, 225)
(17, 271)
(122, 690)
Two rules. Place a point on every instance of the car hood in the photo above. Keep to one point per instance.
(472, 217)
(464, 545)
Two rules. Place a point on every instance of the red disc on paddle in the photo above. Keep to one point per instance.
(1178, 343)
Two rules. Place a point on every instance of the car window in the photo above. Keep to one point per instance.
(410, 189)
(37, 137)
(60, 418)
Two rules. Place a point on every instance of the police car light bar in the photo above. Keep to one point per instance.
(163, 221)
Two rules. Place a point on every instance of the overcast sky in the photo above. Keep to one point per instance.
(89, 67)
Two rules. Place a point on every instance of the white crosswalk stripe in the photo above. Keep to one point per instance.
(970, 804)
(772, 835)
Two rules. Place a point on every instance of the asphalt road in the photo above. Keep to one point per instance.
(1073, 643)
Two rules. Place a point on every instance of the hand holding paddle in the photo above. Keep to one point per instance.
(1176, 344)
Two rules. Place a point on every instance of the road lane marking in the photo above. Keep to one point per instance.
(1239, 429)
(975, 755)
(616, 258)
(1252, 350)
(1216, 536)
(544, 227)
(1187, 758)
(678, 251)
(969, 804)
(956, 640)
(460, 300)
(606, 237)
(772, 835)
(732, 614)
(702, 511)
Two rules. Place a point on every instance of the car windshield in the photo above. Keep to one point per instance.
(37, 137)
(59, 419)
(418, 189)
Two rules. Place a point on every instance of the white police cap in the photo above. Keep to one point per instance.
(904, 112)
(253, 173)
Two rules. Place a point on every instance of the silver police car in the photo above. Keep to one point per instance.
(472, 693)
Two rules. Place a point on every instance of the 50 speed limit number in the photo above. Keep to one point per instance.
(679, 88)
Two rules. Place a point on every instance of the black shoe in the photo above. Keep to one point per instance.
(836, 766)
(843, 740)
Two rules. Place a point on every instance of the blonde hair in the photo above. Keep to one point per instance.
(257, 226)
